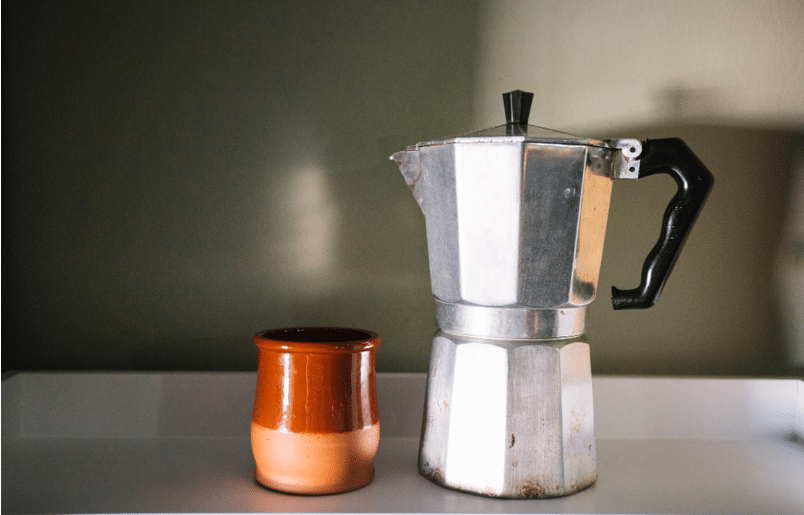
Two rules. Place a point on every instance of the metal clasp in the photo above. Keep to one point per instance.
(626, 161)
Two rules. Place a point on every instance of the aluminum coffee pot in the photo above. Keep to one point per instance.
(516, 217)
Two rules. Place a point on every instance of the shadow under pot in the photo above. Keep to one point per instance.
(315, 426)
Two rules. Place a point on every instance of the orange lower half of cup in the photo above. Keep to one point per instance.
(314, 463)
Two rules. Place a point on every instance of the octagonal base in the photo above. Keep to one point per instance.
(509, 418)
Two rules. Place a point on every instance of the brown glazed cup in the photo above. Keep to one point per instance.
(315, 428)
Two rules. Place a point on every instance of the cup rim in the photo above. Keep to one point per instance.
(317, 339)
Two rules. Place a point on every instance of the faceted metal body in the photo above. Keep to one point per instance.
(513, 223)
(516, 217)
(509, 418)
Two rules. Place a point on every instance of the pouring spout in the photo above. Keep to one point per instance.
(411, 168)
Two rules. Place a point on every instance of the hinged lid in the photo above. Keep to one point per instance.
(517, 109)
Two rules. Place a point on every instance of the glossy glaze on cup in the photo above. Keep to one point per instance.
(315, 426)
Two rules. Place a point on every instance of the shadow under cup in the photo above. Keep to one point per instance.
(315, 428)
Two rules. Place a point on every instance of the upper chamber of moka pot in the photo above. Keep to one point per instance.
(516, 214)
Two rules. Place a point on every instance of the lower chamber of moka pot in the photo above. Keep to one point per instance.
(509, 418)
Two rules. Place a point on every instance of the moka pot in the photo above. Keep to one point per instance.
(516, 217)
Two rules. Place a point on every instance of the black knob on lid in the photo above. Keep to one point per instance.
(517, 106)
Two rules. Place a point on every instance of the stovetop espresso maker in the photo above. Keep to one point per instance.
(516, 217)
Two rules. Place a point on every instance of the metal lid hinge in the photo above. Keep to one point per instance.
(625, 164)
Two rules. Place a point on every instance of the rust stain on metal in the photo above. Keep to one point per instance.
(536, 488)
(414, 181)
(433, 474)
(490, 491)
(404, 163)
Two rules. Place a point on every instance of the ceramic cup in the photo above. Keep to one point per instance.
(315, 426)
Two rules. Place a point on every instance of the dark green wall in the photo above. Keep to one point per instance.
(180, 175)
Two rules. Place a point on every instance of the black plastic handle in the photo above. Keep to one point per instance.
(673, 157)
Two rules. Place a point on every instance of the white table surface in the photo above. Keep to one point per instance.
(179, 443)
